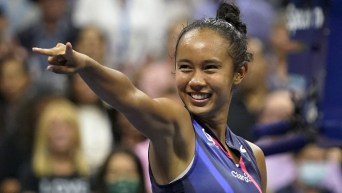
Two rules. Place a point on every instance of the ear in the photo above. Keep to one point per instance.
(240, 74)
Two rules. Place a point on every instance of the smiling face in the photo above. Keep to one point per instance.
(205, 73)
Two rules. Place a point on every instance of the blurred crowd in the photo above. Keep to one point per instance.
(56, 135)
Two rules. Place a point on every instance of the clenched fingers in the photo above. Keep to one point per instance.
(61, 69)
(57, 60)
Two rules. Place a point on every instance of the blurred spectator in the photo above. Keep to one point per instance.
(19, 13)
(10, 185)
(281, 47)
(121, 173)
(18, 97)
(278, 106)
(316, 173)
(249, 97)
(135, 29)
(14, 82)
(53, 26)
(156, 78)
(58, 164)
(92, 41)
(7, 44)
(96, 123)
(133, 139)
(97, 119)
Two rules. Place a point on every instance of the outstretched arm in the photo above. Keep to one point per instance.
(113, 87)
(165, 122)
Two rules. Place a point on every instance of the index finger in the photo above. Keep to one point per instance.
(49, 51)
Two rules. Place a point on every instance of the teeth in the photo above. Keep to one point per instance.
(199, 96)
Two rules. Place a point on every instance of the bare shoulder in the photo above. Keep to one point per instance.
(174, 109)
(258, 153)
(260, 158)
(179, 128)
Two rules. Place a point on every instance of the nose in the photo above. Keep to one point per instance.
(197, 81)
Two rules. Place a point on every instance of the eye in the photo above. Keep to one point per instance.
(184, 67)
(211, 67)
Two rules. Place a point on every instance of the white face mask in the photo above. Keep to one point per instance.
(312, 173)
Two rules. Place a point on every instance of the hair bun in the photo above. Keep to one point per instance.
(231, 14)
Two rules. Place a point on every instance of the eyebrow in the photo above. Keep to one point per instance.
(211, 61)
(203, 62)
(184, 60)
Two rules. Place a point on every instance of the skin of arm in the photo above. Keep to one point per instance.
(165, 122)
(260, 158)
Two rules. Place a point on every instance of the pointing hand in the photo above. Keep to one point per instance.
(62, 58)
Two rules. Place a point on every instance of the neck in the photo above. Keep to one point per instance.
(216, 125)
(62, 165)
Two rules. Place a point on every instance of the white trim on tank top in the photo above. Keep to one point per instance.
(184, 172)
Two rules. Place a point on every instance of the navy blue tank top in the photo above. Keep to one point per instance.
(213, 170)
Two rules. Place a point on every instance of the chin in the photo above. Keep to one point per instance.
(198, 111)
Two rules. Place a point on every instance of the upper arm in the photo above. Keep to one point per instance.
(150, 116)
(168, 126)
(260, 158)
(158, 118)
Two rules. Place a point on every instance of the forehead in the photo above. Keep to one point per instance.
(203, 35)
(203, 42)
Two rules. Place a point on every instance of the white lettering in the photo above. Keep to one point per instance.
(63, 186)
(239, 176)
(210, 139)
(301, 19)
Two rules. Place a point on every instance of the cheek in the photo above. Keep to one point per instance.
(181, 81)
(220, 82)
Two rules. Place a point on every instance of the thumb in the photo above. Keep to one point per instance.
(68, 51)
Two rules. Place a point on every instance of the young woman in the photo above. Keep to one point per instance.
(58, 164)
(192, 149)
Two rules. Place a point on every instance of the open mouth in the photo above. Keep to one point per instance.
(200, 96)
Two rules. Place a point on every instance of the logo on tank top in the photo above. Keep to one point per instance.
(242, 149)
(240, 176)
(210, 139)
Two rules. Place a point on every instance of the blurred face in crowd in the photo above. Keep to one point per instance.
(91, 41)
(61, 136)
(13, 79)
(281, 42)
(312, 165)
(52, 10)
(278, 106)
(122, 174)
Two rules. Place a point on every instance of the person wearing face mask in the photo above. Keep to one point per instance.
(122, 172)
(315, 172)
